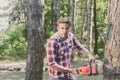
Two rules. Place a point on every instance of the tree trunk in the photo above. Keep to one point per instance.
(83, 21)
(35, 22)
(95, 29)
(89, 38)
(112, 46)
(73, 14)
(52, 17)
(69, 7)
(56, 13)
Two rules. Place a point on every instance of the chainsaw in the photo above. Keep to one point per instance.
(88, 69)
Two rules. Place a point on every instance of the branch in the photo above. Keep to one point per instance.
(101, 36)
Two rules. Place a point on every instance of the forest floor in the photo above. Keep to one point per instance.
(15, 70)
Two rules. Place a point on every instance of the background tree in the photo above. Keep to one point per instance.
(83, 21)
(89, 37)
(95, 30)
(56, 13)
(112, 45)
(35, 21)
(73, 16)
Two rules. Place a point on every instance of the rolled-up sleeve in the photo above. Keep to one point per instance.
(51, 53)
(77, 44)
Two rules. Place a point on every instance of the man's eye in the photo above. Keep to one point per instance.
(67, 28)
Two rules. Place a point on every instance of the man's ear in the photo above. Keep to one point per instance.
(57, 27)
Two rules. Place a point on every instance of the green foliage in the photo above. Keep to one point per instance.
(14, 46)
(48, 25)
(65, 8)
(102, 11)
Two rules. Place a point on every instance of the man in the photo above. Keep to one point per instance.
(59, 49)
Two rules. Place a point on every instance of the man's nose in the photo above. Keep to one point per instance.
(64, 30)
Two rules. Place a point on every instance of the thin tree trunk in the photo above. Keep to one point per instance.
(73, 14)
(52, 16)
(95, 29)
(69, 7)
(89, 38)
(83, 21)
(101, 36)
(112, 46)
(35, 22)
(56, 13)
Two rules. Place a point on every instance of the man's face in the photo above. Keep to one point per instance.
(63, 30)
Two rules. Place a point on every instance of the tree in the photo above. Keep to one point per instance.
(56, 13)
(89, 38)
(83, 21)
(95, 30)
(112, 46)
(73, 14)
(35, 21)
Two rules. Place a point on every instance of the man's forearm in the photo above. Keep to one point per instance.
(64, 70)
(61, 68)
(85, 52)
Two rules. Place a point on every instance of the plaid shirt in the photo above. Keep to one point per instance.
(59, 52)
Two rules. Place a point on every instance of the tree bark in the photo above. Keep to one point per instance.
(56, 13)
(35, 22)
(95, 29)
(112, 46)
(83, 21)
(73, 14)
(89, 38)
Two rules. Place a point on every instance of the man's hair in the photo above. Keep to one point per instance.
(64, 20)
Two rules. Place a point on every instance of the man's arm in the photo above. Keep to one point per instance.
(85, 52)
(64, 69)
(82, 50)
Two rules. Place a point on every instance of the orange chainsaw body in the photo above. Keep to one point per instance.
(85, 70)
(88, 69)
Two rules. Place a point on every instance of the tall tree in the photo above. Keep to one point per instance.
(89, 38)
(83, 21)
(112, 46)
(95, 30)
(35, 22)
(73, 15)
(56, 13)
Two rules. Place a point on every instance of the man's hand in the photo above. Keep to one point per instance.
(74, 72)
(91, 57)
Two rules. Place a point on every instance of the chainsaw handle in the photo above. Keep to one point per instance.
(88, 69)
(90, 63)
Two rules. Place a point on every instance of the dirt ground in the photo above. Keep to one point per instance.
(11, 74)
